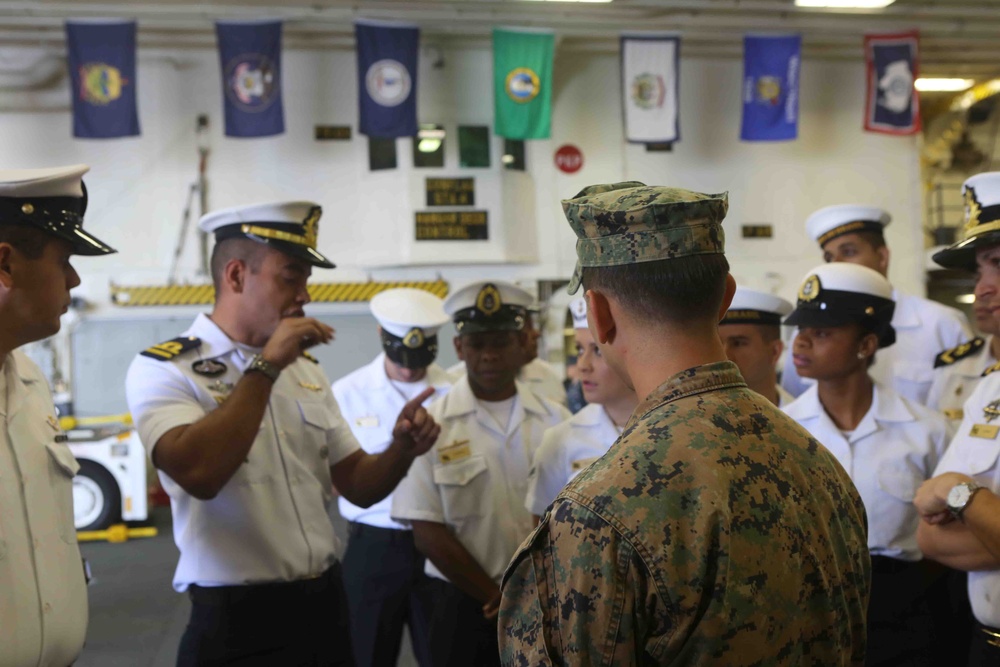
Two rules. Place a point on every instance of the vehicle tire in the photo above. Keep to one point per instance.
(96, 500)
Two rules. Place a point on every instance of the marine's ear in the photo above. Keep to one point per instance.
(600, 316)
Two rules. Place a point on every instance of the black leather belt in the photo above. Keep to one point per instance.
(277, 591)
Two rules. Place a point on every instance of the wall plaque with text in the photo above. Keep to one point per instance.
(452, 225)
(451, 192)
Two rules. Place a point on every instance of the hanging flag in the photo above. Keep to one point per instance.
(101, 60)
(522, 83)
(387, 79)
(650, 86)
(250, 53)
(771, 88)
(892, 105)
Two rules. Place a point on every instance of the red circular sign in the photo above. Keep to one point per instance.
(569, 159)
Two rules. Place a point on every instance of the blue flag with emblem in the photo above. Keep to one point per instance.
(387, 79)
(250, 53)
(101, 59)
(771, 87)
(892, 105)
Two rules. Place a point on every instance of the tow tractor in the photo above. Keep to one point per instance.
(111, 485)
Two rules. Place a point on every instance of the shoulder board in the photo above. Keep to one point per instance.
(310, 357)
(172, 348)
(966, 349)
(994, 367)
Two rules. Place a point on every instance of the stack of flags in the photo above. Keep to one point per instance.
(102, 64)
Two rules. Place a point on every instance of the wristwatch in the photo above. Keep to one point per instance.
(960, 496)
(261, 365)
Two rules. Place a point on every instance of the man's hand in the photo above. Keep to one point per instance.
(415, 430)
(931, 500)
(293, 335)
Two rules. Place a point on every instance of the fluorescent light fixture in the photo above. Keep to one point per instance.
(569, 1)
(965, 298)
(845, 4)
(942, 85)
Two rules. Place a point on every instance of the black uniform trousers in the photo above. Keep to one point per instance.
(460, 635)
(900, 627)
(386, 590)
(265, 625)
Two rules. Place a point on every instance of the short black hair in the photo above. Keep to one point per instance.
(28, 241)
(681, 290)
(225, 251)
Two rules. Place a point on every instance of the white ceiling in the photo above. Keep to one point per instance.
(957, 37)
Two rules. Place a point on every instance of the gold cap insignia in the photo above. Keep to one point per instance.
(972, 209)
(311, 226)
(810, 288)
(414, 338)
(488, 302)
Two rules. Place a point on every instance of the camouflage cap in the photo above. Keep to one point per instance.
(629, 223)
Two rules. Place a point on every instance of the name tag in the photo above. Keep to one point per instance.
(580, 464)
(987, 431)
(954, 413)
(370, 421)
(456, 451)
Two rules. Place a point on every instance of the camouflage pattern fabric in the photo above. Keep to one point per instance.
(716, 531)
(626, 223)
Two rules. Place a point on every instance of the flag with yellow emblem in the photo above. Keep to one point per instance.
(101, 57)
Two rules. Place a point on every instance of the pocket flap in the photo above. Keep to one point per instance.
(900, 480)
(63, 458)
(459, 473)
(317, 414)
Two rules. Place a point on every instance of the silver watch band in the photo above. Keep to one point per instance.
(261, 365)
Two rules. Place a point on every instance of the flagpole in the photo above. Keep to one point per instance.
(202, 134)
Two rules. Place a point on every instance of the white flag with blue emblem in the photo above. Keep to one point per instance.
(650, 87)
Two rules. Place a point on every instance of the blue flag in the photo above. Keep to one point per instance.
(891, 102)
(771, 88)
(250, 53)
(102, 72)
(387, 79)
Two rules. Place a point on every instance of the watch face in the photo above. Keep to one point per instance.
(958, 496)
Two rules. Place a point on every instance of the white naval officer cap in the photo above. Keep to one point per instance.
(754, 307)
(840, 293)
(488, 306)
(53, 200)
(409, 319)
(292, 227)
(828, 223)
(578, 310)
(399, 310)
(982, 222)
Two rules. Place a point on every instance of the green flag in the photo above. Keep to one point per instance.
(522, 83)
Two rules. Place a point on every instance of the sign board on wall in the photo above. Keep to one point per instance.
(452, 225)
(451, 192)
(758, 231)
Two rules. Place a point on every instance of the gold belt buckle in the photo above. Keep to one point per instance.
(994, 637)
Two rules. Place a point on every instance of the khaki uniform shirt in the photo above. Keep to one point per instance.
(43, 595)
(715, 532)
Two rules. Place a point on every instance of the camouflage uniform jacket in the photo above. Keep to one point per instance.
(715, 531)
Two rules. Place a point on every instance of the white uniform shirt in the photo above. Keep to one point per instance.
(43, 594)
(953, 384)
(269, 522)
(566, 450)
(892, 451)
(371, 404)
(539, 375)
(475, 478)
(977, 457)
(923, 328)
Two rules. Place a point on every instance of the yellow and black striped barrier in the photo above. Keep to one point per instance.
(198, 295)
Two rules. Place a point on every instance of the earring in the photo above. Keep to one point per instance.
(861, 355)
